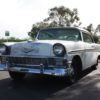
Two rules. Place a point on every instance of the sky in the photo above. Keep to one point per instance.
(18, 16)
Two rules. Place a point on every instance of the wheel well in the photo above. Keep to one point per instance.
(79, 62)
(99, 57)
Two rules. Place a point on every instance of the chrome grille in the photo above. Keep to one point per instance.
(31, 61)
(26, 60)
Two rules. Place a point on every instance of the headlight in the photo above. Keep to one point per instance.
(59, 49)
(3, 49)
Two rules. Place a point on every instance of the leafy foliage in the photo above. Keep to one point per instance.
(12, 39)
(96, 38)
(62, 16)
(92, 31)
(58, 17)
(90, 28)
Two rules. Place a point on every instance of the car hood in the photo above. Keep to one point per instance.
(40, 47)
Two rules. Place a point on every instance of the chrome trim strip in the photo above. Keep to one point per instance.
(84, 50)
(31, 56)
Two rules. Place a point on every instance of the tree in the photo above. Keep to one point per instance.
(97, 32)
(58, 17)
(12, 39)
(62, 17)
(90, 28)
(36, 27)
(93, 32)
(97, 29)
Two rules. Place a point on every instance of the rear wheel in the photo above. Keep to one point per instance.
(16, 75)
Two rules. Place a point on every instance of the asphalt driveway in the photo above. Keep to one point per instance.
(51, 88)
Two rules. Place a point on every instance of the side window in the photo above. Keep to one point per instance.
(87, 38)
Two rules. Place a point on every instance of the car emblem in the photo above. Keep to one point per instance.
(27, 50)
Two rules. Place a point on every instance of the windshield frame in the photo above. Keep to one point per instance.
(69, 28)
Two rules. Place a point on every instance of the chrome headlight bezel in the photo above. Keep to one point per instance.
(59, 50)
(3, 48)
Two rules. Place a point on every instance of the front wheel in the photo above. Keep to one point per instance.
(76, 72)
(16, 75)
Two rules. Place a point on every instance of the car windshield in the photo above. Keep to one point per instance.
(59, 34)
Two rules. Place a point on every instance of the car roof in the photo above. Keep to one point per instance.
(77, 28)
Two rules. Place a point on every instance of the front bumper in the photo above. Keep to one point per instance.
(48, 66)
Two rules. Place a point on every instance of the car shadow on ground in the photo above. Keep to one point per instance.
(42, 88)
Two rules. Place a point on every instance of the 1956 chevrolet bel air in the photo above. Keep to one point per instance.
(55, 51)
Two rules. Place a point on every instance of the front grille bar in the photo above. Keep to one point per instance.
(30, 60)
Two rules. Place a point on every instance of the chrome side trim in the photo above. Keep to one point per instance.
(84, 50)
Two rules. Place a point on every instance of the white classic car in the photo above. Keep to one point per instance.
(56, 51)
